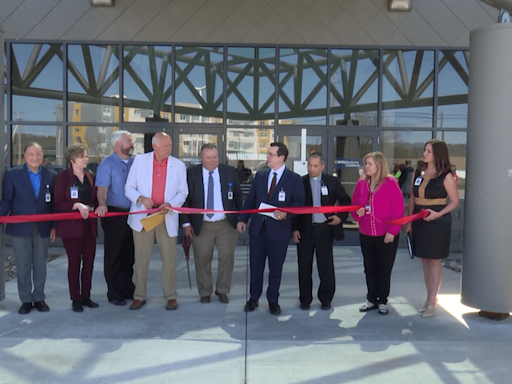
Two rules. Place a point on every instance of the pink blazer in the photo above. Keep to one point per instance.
(386, 203)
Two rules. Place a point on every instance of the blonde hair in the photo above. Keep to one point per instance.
(381, 163)
(73, 151)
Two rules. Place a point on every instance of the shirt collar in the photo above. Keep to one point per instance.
(34, 173)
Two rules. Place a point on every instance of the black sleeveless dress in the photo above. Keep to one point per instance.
(431, 239)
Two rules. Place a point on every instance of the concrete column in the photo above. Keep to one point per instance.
(2, 162)
(487, 263)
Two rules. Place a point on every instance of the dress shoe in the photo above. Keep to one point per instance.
(251, 305)
(25, 308)
(205, 299)
(368, 307)
(137, 304)
(118, 302)
(223, 298)
(77, 306)
(41, 306)
(89, 303)
(325, 307)
(304, 306)
(275, 309)
(171, 305)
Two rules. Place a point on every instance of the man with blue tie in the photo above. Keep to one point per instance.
(270, 234)
(212, 186)
(27, 189)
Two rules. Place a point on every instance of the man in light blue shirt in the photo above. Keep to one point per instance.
(119, 251)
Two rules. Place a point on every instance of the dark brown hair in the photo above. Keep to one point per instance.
(441, 157)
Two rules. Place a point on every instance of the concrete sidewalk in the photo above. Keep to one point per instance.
(219, 343)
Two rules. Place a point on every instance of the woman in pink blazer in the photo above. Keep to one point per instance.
(74, 190)
(379, 193)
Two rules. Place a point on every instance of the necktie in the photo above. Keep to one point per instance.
(272, 185)
(209, 198)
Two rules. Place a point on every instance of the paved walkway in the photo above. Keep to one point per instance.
(219, 343)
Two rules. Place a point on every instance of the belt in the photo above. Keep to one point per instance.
(317, 224)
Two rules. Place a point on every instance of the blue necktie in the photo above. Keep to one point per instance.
(209, 198)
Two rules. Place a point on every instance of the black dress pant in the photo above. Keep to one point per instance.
(321, 240)
(378, 263)
(119, 256)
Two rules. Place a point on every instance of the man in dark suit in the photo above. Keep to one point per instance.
(212, 186)
(27, 190)
(317, 231)
(270, 234)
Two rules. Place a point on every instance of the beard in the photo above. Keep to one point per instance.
(127, 151)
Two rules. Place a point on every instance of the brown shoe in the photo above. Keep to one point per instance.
(171, 305)
(205, 299)
(137, 304)
(223, 298)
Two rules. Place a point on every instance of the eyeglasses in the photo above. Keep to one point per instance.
(270, 154)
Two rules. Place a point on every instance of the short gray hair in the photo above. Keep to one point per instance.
(318, 155)
(116, 136)
(157, 136)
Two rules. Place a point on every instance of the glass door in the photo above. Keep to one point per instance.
(143, 134)
(316, 141)
(187, 143)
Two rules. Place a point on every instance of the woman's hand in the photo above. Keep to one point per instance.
(408, 228)
(432, 216)
(83, 209)
(360, 212)
(389, 238)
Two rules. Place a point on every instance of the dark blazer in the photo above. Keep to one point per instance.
(291, 183)
(19, 199)
(64, 203)
(195, 198)
(336, 192)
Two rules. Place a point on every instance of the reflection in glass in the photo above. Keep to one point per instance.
(36, 81)
(246, 148)
(95, 139)
(452, 110)
(407, 88)
(293, 142)
(93, 83)
(147, 83)
(190, 146)
(349, 152)
(199, 84)
(354, 87)
(399, 146)
(302, 86)
(49, 137)
(457, 143)
(251, 86)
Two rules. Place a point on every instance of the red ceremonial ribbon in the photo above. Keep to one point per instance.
(292, 210)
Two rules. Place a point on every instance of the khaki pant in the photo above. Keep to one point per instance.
(222, 234)
(143, 242)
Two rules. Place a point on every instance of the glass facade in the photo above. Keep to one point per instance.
(399, 97)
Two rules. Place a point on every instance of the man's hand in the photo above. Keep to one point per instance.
(101, 210)
(53, 235)
(241, 227)
(167, 206)
(280, 215)
(335, 220)
(189, 232)
(296, 236)
(146, 202)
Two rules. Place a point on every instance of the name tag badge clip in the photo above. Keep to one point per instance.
(48, 195)
(418, 180)
(282, 195)
(325, 191)
(74, 192)
(230, 192)
(368, 209)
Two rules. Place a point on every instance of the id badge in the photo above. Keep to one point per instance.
(418, 180)
(282, 196)
(230, 195)
(325, 191)
(368, 209)
(74, 192)
(48, 197)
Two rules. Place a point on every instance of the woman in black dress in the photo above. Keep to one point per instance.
(431, 235)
